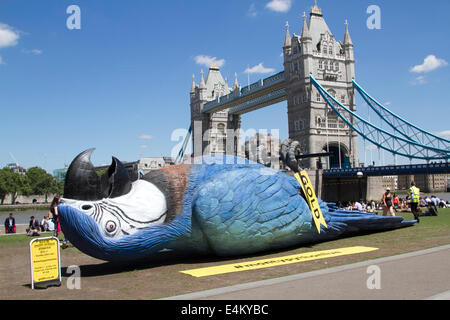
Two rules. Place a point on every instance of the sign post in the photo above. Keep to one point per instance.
(308, 190)
(45, 262)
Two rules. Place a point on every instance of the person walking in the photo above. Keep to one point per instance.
(387, 203)
(414, 196)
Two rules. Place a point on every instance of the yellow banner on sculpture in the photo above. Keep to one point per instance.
(272, 262)
(45, 261)
(310, 195)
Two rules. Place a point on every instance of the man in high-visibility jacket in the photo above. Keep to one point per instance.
(414, 196)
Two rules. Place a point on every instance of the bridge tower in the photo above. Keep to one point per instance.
(213, 133)
(331, 62)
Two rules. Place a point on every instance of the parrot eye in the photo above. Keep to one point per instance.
(86, 207)
(111, 226)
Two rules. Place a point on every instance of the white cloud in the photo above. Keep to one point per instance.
(146, 137)
(207, 61)
(1, 60)
(259, 69)
(429, 64)
(445, 133)
(34, 51)
(419, 80)
(279, 5)
(144, 146)
(252, 11)
(8, 36)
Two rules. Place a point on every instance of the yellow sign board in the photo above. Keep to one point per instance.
(310, 195)
(45, 262)
(272, 262)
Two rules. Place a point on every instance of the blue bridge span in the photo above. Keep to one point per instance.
(400, 137)
(432, 168)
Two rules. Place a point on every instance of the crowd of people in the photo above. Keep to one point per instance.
(34, 226)
(391, 203)
(50, 223)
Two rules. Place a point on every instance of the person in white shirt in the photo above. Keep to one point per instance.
(436, 200)
(357, 206)
(51, 225)
(44, 224)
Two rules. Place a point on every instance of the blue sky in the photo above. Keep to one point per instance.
(121, 83)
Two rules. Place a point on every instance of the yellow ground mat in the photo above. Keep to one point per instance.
(273, 262)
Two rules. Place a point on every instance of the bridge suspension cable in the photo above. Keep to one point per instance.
(182, 151)
(400, 125)
(397, 145)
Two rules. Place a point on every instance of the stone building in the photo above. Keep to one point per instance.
(263, 148)
(14, 167)
(60, 174)
(145, 165)
(137, 169)
(131, 167)
(316, 51)
(425, 182)
(213, 134)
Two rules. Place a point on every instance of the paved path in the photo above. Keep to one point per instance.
(418, 275)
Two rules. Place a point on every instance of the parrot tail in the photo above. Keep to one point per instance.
(345, 222)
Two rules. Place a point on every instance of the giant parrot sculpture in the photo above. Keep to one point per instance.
(222, 205)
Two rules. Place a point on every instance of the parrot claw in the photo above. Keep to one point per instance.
(289, 152)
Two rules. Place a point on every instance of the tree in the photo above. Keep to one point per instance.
(13, 183)
(35, 181)
(5, 176)
(41, 182)
(20, 185)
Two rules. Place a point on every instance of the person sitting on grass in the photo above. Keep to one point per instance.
(432, 210)
(435, 202)
(34, 227)
(44, 224)
(357, 206)
(396, 202)
(422, 202)
(10, 224)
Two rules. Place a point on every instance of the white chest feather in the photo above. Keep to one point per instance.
(145, 205)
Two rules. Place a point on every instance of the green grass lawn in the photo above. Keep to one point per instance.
(429, 226)
(18, 240)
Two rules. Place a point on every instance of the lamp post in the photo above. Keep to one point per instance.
(360, 175)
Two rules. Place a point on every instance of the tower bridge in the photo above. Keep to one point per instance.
(318, 84)
(217, 109)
